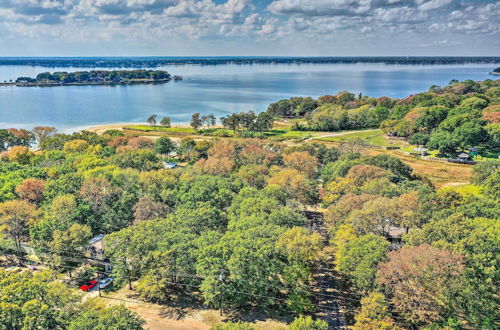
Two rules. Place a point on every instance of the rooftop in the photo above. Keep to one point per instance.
(96, 239)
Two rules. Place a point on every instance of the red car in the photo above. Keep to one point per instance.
(88, 285)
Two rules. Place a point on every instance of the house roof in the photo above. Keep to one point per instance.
(96, 239)
(169, 165)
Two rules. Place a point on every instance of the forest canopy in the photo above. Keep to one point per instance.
(450, 119)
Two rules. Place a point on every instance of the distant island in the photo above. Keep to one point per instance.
(95, 77)
(154, 61)
(495, 71)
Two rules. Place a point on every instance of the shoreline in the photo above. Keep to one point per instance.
(99, 129)
(142, 82)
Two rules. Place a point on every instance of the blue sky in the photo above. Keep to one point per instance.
(249, 27)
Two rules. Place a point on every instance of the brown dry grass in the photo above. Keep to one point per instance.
(441, 174)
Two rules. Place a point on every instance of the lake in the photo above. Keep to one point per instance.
(220, 89)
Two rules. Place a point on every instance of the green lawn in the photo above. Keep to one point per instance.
(277, 134)
(146, 128)
(284, 134)
(375, 138)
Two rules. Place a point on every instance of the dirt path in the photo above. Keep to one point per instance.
(341, 133)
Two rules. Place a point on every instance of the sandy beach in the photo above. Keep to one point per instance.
(103, 128)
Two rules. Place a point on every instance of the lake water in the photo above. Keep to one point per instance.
(221, 90)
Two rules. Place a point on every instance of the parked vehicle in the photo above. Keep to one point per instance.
(105, 282)
(88, 285)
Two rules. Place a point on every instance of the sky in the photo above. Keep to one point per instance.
(249, 27)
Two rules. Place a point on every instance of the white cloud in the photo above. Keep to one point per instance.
(320, 7)
(320, 22)
(432, 4)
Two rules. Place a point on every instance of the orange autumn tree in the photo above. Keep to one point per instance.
(419, 281)
(19, 154)
(303, 162)
(31, 190)
(295, 184)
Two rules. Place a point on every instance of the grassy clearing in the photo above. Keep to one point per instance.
(467, 190)
(146, 128)
(283, 134)
(374, 137)
(441, 174)
(280, 133)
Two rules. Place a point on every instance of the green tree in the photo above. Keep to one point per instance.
(401, 170)
(37, 315)
(374, 314)
(238, 270)
(282, 108)
(143, 160)
(444, 142)
(11, 316)
(113, 318)
(419, 139)
(307, 322)
(307, 105)
(70, 243)
(470, 134)
(165, 122)
(301, 246)
(152, 120)
(482, 170)
(376, 216)
(196, 121)
(164, 145)
(232, 121)
(15, 218)
(264, 122)
(211, 120)
(358, 260)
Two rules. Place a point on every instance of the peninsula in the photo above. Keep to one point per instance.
(94, 77)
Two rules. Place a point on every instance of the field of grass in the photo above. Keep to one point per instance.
(147, 128)
(281, 133)
(373, 137)
(441, 174)
(284, 134)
